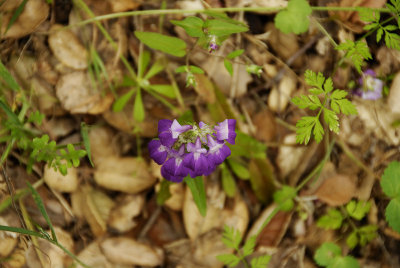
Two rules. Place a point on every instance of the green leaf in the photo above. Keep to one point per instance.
(228, 66)
(86, 141)
(344, 262)
(8, 78)
(304, 129)
(332, 220)
(163, 194)
(249, 246)
(328, 85)
(352, 240)
(248, 147)
(314, 79)
(144, 60)
(392, 214)
(260, 262)
(357, 52)
(138, 109)
(230, 260)
(228, 182)
(390, 27)
(339, 94)
(192, 25)
(195, 69)
(238, 168)
(346, 106)
(36, 117)
(168, 44)
(368, 14)
(358, 210)
(235, 54)
(326, 253)
(294, 19)
(367, 233)
(196, 186)
(392, 40)
(42, 209)
(120, 103)
(16, 14)
(318, 131)
(284, 197)
(224, 28)
(390, 181)
(157, 67)
(166, 90)
(332, 120)
(231, 237)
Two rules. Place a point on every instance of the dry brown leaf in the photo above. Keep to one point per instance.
(59, 182)
(34, 13)
(280, 95)
(123, 5)
(67, 48)
(272, 234)
(123, 214)
(336, 190)
(394, 95)
(195, 225)
(126, 251)
(76, 94)
(53, 255)
(265, 124)
(8, 240)
(93, 256)
(351, 20)
(289, 157)
(124, 174)
(95, 207)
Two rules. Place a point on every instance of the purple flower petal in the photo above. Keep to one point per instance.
(169, 131)
(169, 176)
(164, 125)
(218, 151)
(173, 169)
(158, 151)
(226, 130)
(196, 160)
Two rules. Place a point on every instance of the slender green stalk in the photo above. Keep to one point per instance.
(199, 11)
(316, 170)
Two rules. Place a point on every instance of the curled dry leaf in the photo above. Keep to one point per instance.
(285, 45)
(8, 240)
(93, 256)
(57, 181)
(123, 5)
(126, 251)
(76, 94)
(289, 156)
(34, 13)
(272, 234)
(267, 3)
(336, 190)
(351, 20)
(280, 95)
(53, 255)
(67, 48)
(265, 124)
(394, 96)
(122, 215)
(175, 202)
(236, 216)
(45, 96)
(124, 174)
(378, 118)
(102, 143)
(93, 205)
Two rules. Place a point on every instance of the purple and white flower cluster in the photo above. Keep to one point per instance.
(191, 149)
(371, 87)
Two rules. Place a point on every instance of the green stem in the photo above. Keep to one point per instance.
(199, 11)
(106, 35)
(300, 186)
(19, 194)
(325, 32)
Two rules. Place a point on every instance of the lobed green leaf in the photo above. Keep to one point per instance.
(331, 220)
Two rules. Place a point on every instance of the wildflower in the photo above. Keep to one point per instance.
(212, 44)
(371, 87)
(193, 150)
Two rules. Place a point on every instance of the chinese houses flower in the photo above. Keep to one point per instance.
(371, 87)
(193, 150)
